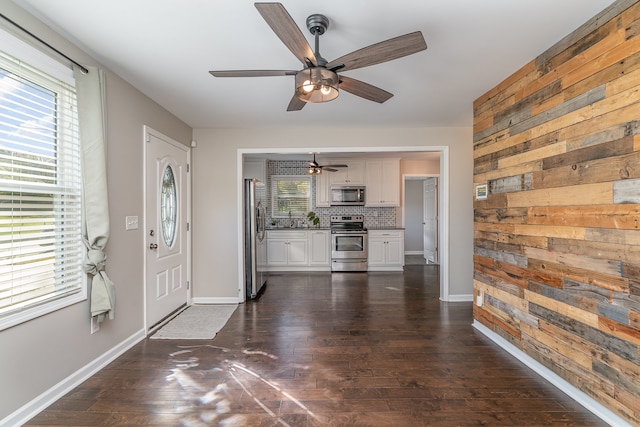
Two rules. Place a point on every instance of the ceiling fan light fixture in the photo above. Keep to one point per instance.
(316, 84)
(307, 86)
(314, 171)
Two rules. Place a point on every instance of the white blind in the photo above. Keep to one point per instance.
(41, 251)
(290, 194)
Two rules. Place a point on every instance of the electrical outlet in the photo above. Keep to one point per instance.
(479, 299)
(95, 325)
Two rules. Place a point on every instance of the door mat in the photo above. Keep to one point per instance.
(197, 322)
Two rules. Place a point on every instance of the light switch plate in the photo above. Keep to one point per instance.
(95, 325)
(131, 223)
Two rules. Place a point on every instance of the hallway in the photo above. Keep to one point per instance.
(346, 349)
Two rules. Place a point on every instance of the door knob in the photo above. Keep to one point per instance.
(153, 246)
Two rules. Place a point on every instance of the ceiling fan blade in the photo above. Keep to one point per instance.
(364, 90)
(286, 29)
(296, 105)
(335, 166)
(381, 52)
(326, 168)
(253, 73)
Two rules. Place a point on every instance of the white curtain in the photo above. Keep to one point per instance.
(90, 89)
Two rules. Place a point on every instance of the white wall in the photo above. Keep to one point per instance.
(215, 193)
(38, 355)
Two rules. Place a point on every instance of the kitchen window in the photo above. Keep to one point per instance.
(290, 195)
(41, 250)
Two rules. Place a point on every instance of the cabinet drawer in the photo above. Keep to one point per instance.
(386, 233)
(287, 235)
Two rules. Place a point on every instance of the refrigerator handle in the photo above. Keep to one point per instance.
(262, 225)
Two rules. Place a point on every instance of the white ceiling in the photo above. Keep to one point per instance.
(165, 48)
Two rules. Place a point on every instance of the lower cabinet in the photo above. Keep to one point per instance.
(386, 250)
(287, 248)
(298, 250)
(310, 250)
(320, 248)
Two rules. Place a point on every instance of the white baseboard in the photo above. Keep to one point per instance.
(215, 300)
(37, 405)
(413, 252)
(459, 298)
(589, 403)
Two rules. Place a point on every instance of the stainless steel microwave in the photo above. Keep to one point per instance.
(343, 195)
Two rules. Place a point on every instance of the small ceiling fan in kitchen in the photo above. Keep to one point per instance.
(316, 169)
(319, 81)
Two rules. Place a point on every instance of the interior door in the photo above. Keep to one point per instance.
(166, 223)
(430, 223)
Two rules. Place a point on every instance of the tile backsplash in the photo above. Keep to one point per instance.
(373, 217)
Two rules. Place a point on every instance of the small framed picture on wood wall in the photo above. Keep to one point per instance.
(481, 191)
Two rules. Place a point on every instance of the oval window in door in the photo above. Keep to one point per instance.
(168, 206)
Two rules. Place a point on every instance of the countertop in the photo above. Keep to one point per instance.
(295, 228)
(385, 228)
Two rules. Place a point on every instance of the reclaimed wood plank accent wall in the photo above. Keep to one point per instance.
(557, 240)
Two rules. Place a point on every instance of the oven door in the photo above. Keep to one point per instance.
(348, 245)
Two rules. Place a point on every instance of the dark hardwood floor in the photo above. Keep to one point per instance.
(347, 349)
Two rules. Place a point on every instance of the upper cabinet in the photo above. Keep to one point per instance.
(382, 179)
(322, 190)
(353, 174)
(255, 168)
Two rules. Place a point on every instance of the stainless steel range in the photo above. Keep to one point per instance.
(348, 243)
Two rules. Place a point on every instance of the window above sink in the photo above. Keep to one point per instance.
(290, 195)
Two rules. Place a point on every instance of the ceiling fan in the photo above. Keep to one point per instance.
(318, 81)
(316, 169)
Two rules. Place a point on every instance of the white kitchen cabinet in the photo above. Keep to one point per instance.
(353, 174)
(322, 190)
(298, 250)
(319, 248)
(255, 168)
(287, 248)
(382, 179)
(386, 250)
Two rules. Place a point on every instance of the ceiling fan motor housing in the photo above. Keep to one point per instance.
(317, 24)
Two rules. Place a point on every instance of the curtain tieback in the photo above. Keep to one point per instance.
(95, 262)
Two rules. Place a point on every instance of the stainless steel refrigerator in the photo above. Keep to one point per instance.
(255, 243)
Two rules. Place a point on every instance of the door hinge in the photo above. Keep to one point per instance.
(188, 285)
(187, 167)
(187, 226)
(148, 138)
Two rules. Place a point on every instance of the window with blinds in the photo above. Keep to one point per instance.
(41, 250)
(290, 193)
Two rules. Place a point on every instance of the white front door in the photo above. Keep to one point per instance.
(166, 226)
(431, 220)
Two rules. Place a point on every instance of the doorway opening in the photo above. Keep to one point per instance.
(441, 163)
(420, 219)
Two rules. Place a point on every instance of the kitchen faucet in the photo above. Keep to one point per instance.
(290, 220)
